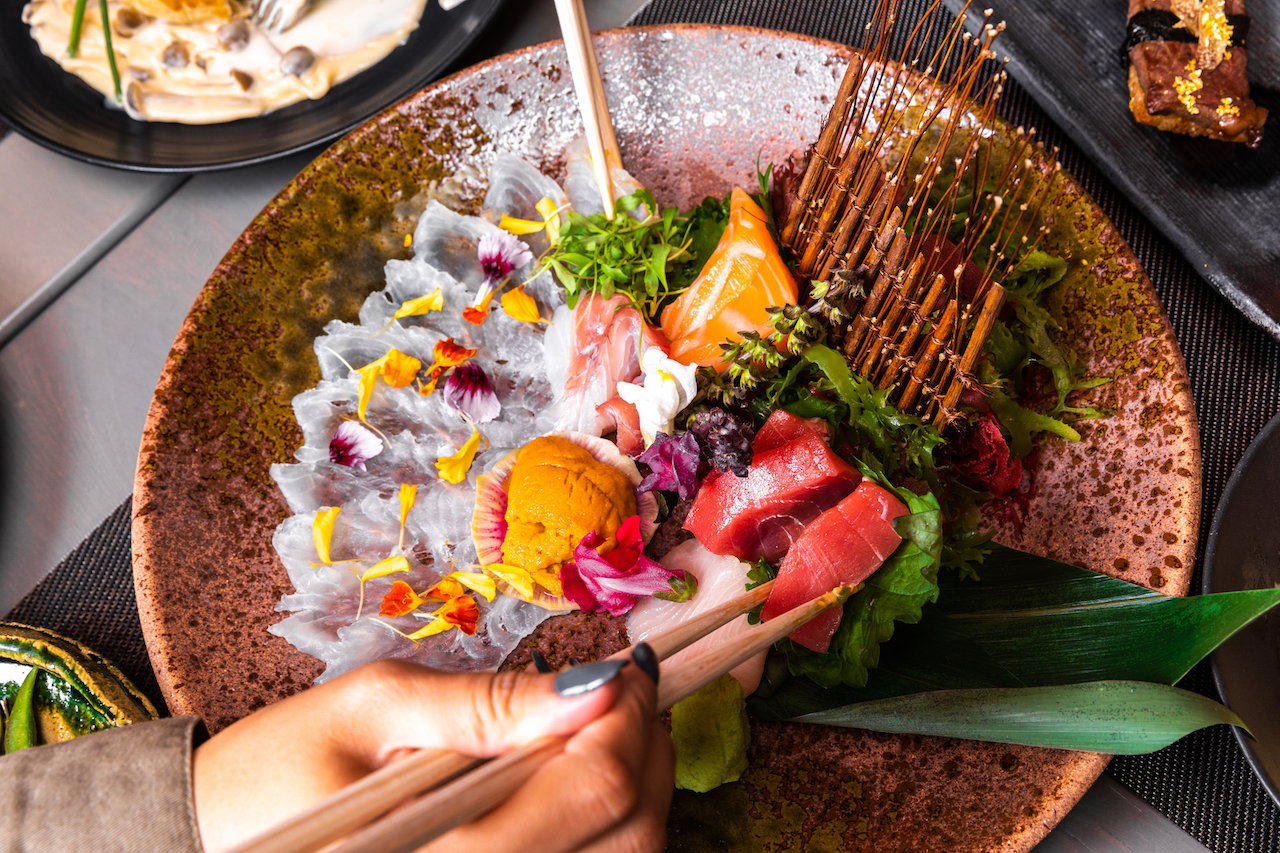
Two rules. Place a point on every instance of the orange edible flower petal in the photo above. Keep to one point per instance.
(429, 387)
(400, 600)
(447, 353)
(453, 469)
(408, 240)
(476, 314)
(322, 531)
(445, 589)
(461, 612)
(399, 369)
(521, 306)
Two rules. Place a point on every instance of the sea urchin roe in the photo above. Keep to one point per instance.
(557, 494)
(204, 61)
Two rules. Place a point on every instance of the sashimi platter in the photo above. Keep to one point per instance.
(843, 328)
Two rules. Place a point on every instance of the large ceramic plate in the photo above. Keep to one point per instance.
(694, 108)
(1218, 203)
(60, 112)
(1244, 553)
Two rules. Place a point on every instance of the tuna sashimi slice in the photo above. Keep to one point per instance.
(783, 427)
(761, 514)
(841, 548)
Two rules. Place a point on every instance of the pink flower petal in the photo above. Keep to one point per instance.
(501, 253)
(611, 582)
(353, 444)
(469, 391)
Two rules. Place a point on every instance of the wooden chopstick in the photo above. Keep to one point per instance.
(365, 800)
(479, 791)
(601, 142)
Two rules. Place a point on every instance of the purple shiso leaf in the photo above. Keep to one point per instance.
(501, 253)
(469, 390)
(673, 465)
(353, 444)
(597, 585)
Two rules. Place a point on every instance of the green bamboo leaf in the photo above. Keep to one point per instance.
(1118, 717)
(1030, 622)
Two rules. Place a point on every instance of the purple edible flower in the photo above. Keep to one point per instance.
(611, 582)
(500, 254)
(353, 444)
(469, 390)
(673, 465)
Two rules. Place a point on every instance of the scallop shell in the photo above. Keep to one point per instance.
(489, 518)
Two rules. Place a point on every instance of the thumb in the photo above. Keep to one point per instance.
(479, 714)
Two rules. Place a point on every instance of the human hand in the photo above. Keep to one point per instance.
(609, 790)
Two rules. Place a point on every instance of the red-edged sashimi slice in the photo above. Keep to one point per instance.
(784, 426)
(842, 547)
(761, 514)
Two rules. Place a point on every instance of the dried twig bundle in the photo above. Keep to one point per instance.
(909, 214)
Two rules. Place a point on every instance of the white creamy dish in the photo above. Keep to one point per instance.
(201, 62)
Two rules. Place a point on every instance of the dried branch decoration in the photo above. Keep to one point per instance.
(906, 155)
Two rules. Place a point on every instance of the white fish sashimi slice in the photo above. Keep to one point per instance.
(515, 188)
(580, 181)
(719, 580)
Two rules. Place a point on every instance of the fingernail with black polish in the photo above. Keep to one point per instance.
(539, 662)
(577, 680)
(644, 657)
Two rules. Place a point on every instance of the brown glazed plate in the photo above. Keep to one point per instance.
(694, 108)
(1243, 552)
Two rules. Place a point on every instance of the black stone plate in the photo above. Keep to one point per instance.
(1217, 202)
(59, 111)
(1244, 553)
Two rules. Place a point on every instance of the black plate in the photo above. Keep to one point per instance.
(1217, 202)
(1244, 553)
(60, 112)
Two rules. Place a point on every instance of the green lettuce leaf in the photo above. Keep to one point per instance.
(895, 592)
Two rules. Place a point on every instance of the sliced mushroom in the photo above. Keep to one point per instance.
(234, 35)
(128, 21)
(243, 78)
(175, 55)
(142, 75)
(297, 61)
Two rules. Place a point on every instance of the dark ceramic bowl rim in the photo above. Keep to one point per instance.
(1263, 444)
(409, 75)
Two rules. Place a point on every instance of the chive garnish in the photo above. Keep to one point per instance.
(77, 19)
(111, 54)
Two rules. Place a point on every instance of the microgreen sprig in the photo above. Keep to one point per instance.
(73, 42)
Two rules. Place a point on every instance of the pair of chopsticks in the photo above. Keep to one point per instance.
(601, 141)
(461, 788)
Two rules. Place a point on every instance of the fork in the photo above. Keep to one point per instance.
(276, 16)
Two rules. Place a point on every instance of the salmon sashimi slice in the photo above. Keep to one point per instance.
(842, 547)
(786, 487)
(744, 277)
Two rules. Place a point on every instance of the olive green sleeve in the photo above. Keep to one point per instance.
(125, 789)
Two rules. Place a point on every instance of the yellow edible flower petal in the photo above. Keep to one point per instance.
(408, 494)
(477, 582)
(521, 306)
(519, 579)
(435, 626)
(368, 378)
(519, 226)
(433, 301)
(453, 469)
(382, 568)
(551, 213)
(322, 531)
